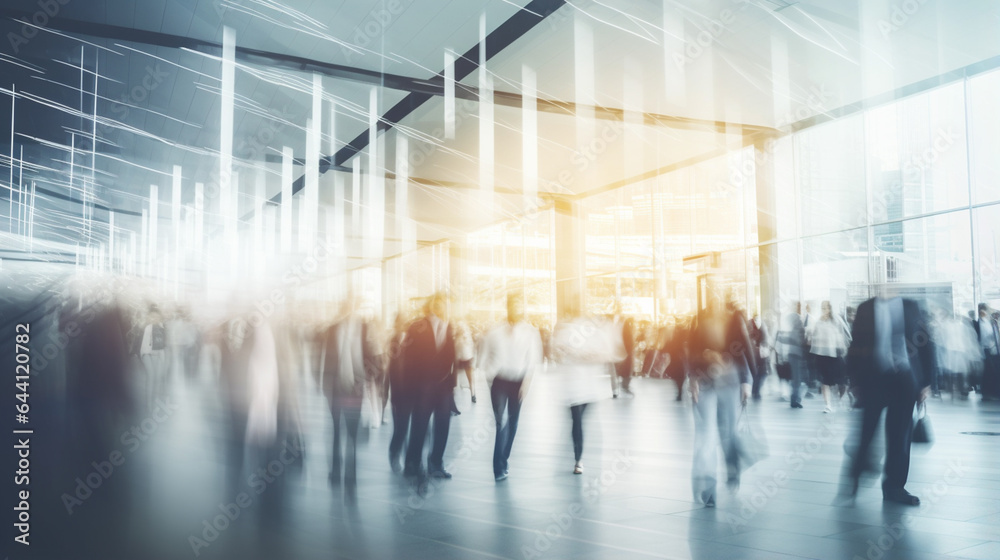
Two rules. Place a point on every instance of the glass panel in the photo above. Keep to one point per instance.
(917, 161)
(829, 167)
(984, 135)
(929, 259)
(835, 269)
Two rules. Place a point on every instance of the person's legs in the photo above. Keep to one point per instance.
(871, 413)
(402, 410)
(706, 446)
(418, 434)
(335, 469)
(472, 382)
(498, 397)
(442, 422)
(352, 418)
(576, 411)
(797, 365)
(727, 412)
(898, 431)
(513, 414)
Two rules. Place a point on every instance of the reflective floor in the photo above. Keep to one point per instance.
(633, 500)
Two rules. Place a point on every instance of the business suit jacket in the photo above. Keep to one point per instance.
(424, 365)
(348, 387)
(861, 363)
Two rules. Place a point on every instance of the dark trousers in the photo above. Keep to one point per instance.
(758, 380)
(435, 402)
(990, 385)
(576, 412)
(624, 371)
(349, 417)
(505, 395)
(402, 411)
(897, 395)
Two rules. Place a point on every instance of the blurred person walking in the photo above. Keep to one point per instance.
(828, 340)
(429, 363)
(511, 353)
(719, 381)
(402, 393)
(584, 348)
(348, 359)
(153, 353)
(890, 361)
(465, 354)
(792, 351)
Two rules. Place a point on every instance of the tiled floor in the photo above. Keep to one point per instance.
(632, 502)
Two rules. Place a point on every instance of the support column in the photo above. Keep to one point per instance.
(570, 259)
(767, 226)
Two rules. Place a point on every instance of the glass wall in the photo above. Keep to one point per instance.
(905, 194)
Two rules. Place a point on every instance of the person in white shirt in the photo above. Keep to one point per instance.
(584, 348)
(828, 340)
(511, 353)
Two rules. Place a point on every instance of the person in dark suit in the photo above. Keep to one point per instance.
(429, 364)
(890, 361)
(624, 368)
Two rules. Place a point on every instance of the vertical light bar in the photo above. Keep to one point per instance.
(340, 213)
(269, 228)
(376, 202)
(10, 202)
(259, 203)
(529, 135)
(583, 63)
(111, 240)
(226, 133)
(449, 94)
(154, 203)
(287, 158)
(356, 194)
(144, 243)
(175, 208)
(486, 155)
(309, 207)
(199, 213)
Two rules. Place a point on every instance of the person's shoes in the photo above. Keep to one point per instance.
(827, 410)
(733, 484)
(396, 467)
(473, 399)
(756, 397)
(613, 395)
(796, 405)
(455, 412)
(901, 497)
(809, 395)
(578, 469)
(440, 473)
(710, 502)
(501, 476)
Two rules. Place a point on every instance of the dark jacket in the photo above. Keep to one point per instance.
(350, 386)
(425, 366)
(736, 350)
(861, 364)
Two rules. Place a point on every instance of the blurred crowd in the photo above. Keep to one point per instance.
(124, 352)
